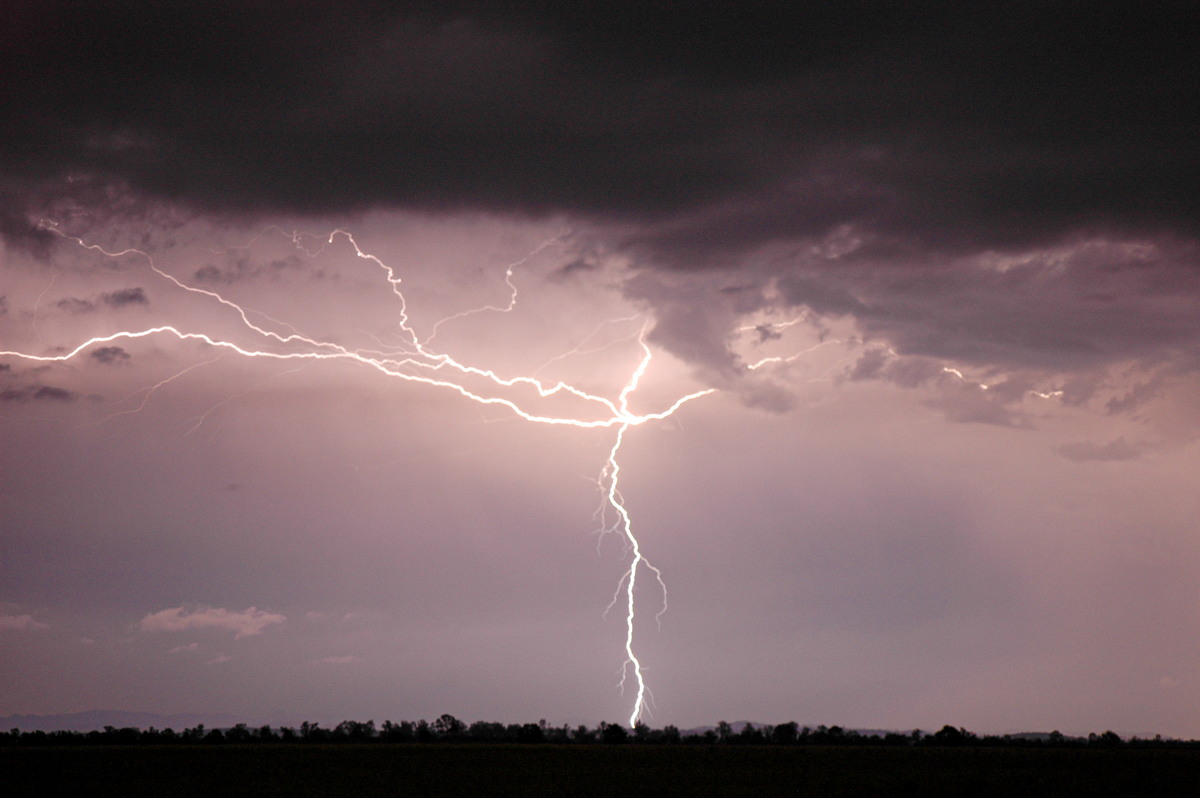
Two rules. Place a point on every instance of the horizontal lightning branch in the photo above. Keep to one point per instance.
(419, 363)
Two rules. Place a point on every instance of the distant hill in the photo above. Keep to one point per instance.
(97, 719)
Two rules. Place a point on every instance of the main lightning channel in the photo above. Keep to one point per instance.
(415, 361)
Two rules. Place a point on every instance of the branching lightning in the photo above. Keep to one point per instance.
(414, 360)
(772, 331)
(983, 386)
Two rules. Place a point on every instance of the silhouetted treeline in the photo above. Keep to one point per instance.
(449, 729)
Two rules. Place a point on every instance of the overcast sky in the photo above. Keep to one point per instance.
(940, 270)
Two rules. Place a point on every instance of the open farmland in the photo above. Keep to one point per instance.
(358, 770)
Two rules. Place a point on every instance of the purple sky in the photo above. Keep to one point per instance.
(941, 269)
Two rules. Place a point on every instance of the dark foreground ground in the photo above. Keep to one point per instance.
(602, 770)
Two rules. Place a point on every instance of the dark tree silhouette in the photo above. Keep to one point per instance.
(785, 733)
(613, 733)
(948, 735)
(530, 733)
(448, 727)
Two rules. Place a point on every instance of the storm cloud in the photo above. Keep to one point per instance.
(1039, 166)
(715, 130)
(109, 355)
(37, 393)
(112, 299)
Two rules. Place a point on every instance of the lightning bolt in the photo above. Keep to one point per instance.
(512, 296)
(149, 392)
(983, 386)
(414, 360)
(770, 331)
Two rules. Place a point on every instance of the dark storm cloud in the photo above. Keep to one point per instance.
(15, 229)
(1138, 395)
(1070, 307)
(576, 266)
(958, 398)
(109, 355)
(75, 305)
(239, 266)
(729, 125)
(870, 366)
(113, 299)
(125, 296)
(37, 393)
(905, 142)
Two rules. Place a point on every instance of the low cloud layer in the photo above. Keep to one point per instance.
(37, 393)
(24, 622)
(243, 623)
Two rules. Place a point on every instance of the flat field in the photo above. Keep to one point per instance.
(593, 770)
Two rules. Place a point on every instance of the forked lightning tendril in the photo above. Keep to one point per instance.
(415, 361)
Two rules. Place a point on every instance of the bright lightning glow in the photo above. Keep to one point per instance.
(983, 386)
(776, 360)
(415, 361)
